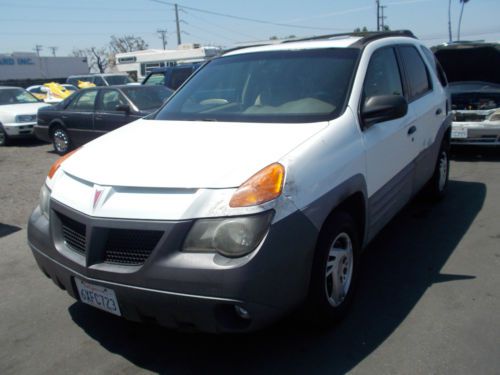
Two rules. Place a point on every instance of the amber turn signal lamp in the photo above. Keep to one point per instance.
(262, 187)
(58, 162)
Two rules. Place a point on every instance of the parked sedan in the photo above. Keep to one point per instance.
(94, 111)
(18, 110)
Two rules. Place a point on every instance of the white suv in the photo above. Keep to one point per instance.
(253, 190)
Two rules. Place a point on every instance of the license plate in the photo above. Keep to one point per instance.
(98, 296)
(459, 133)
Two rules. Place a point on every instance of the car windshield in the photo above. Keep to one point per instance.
(16, 96)
(147, 97)
(118, 80)
(278, 86)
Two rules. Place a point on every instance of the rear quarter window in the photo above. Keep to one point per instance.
(416, 72)
(436, 66)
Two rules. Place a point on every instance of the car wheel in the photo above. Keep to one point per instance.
(439, 181)
(61, 141)
(334, 271)
(4, 138)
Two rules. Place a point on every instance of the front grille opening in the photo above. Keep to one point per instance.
(130, 247)
(73, 233)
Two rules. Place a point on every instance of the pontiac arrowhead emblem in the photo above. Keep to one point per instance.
(97, 195)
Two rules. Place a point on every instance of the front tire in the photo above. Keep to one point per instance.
(61, 141)
(438, 184)
(335, 270)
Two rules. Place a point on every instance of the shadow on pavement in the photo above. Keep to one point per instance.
(397, 268)
(6, 229)
(26, 142)
(475, 153)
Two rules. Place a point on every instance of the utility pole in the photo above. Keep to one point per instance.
(53, 49)
(162, 34)
(177, 24)
(449, 22)
(37, 49)
(378, 14)
(382, 17)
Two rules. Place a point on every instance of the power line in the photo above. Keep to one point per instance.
(224, 37)
(197, 16)
(239, 17)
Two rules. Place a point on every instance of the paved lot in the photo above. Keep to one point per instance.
(428, 301)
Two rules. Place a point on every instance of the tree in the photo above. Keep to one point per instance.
(460, 19)
(126, 43)
(97, 58)
(363, 30)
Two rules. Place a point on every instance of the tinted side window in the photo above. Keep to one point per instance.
(85, 102)
(382, 76)
(109, 99)
(431, 59)
(179, 76)
(416, 72)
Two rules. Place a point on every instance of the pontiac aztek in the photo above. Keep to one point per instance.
(252, 191)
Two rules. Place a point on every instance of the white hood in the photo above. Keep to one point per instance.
(183, 154)
(13, 110)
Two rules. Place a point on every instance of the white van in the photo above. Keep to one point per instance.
(253, 190)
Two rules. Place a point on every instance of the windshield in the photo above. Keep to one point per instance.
(118, 80)
(147, 97)
(278, 86)
(16, 96)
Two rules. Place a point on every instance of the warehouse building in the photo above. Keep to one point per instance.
(25, 68)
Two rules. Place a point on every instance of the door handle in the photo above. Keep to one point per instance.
(412, 130)
(439, 111)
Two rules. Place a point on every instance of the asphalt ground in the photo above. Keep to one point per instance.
(428, 300)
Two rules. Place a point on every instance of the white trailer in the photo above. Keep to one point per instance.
(139, 63)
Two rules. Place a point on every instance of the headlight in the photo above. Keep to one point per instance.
(495, 116)
(231, 237)
(25, 118)
(45, 200)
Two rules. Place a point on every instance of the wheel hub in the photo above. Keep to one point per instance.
(338, 272)
(443, 170)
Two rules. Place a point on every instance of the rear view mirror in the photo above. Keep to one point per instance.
(383, 108)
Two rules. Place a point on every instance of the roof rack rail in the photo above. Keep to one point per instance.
(241, 47)
(367, 36)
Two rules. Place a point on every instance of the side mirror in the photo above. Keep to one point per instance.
(123, 107)
(383, 108)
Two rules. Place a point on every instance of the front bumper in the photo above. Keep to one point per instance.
(475, 134)
(23, 129)
(185, 290)
(42, 133)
